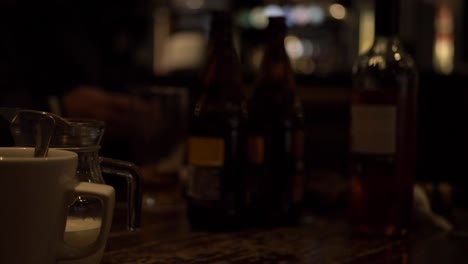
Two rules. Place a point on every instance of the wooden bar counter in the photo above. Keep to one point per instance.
(165, 237)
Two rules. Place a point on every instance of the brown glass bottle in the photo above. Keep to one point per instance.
(276, 137)
(218, 137)
(383, 131)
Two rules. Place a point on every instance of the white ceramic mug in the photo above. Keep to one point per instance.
(34, 197)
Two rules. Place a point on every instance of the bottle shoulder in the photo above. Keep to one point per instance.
(386, 65)
(386, 54)
(218, 119)
(268, 110)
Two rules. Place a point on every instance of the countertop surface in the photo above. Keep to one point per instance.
(165, 237)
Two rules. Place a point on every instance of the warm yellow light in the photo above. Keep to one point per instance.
(377, 61)
(366, 29)
(443, 56)
(337, 11)
(397, 56)
(444, 50)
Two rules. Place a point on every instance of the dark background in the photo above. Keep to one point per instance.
(50, 46)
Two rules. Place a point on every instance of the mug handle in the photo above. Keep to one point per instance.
(106, 194)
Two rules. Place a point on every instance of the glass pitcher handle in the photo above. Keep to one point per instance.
(133, 178)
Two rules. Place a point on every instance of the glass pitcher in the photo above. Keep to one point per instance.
(83, 137)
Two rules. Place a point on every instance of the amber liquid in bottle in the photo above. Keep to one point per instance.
(218, 138)
(276, 138)
(383, 133)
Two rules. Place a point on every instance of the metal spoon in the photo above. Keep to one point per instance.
(44, 131)
(39, 125)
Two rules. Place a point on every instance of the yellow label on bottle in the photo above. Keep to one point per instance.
(206, 151)
(256, 149)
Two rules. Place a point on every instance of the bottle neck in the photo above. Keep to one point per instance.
(221, 44)
(221, 32)
(387, 17)
(221, 35)
(275, 49)
(222, 78)
(276, 67)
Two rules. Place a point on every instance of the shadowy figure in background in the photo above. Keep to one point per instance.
(75, 58)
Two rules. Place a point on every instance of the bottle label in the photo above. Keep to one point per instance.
(206, 151)
(206, 159)
(373, 128)
(256, 152)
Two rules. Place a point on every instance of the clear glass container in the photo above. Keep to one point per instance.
(83, 137)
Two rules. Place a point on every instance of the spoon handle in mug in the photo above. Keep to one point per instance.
(44, 131)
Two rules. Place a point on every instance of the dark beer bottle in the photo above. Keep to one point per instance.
(383, 131)
(276, 137)
(218, 137)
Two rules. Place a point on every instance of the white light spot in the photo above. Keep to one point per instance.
(273, 11)
(316, 15)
